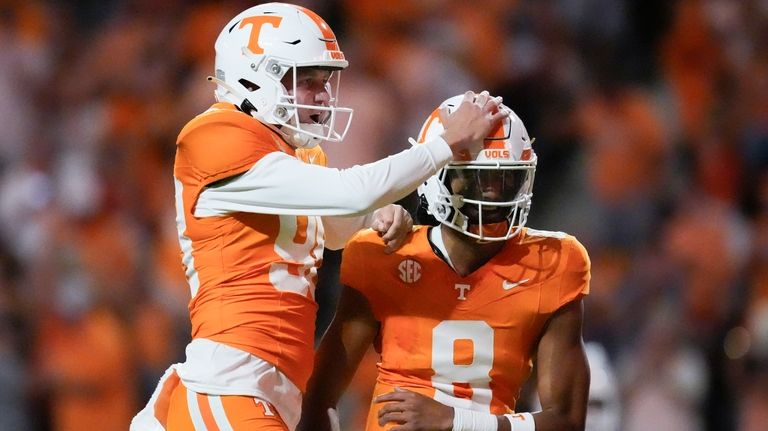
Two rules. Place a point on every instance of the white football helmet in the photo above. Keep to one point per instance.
(487, 196)
(258, 47)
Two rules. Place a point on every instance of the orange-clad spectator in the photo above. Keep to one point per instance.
(84, 352)
(482, 30)
(85, 365)
(373, 16)
(692, 63)
(199, 29)
(710, 243)
(624, 144)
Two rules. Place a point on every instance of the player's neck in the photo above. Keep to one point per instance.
(465, 253)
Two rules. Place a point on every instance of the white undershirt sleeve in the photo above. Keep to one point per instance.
(339, 229)
(281, 184)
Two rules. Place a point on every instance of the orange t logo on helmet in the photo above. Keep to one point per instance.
(258, 22)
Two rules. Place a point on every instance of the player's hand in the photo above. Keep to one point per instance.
(413, 412)
(393, 223)
(471, 123)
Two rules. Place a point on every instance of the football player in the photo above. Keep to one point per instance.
(462, 311)
(255, 208)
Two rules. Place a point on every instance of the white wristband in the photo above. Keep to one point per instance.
(470, 420)
(521, 421)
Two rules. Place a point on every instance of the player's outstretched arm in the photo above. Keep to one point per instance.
(563, 372)
(281, 184)
(341, 350)
(392, 222)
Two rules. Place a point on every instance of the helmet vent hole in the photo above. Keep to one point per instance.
(295, 42)
(233, 26)
(250, 86)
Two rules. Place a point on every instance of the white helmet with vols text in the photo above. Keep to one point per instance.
(258, 47)
(487, 196)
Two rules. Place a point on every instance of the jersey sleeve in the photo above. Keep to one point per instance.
(312, 156)
(359, 256)
(338, 229)
(577, 272)
(222, 143)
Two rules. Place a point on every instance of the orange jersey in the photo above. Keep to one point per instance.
(313, 156)
(465, 341)
(252, 276)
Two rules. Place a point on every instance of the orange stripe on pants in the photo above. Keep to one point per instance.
(242, 412)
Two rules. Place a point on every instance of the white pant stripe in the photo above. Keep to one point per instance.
(219, 415)
(194, 411)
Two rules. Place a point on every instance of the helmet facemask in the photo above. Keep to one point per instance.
(306, 125)
(488, 202)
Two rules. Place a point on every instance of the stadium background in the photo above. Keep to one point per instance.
(651, 126)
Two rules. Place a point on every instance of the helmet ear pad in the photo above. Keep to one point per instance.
(423, 216)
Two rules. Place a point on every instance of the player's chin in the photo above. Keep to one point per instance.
(490, 216)
(491, 230)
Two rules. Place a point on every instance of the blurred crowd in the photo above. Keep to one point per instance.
(651, 126)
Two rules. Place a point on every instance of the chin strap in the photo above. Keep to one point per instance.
(301, 140)
(246, 106)
(223, 84)
(305, 140)
(436, 239)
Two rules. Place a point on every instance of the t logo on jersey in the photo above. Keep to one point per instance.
(462, 288)
(410, 271)
(257, 23)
